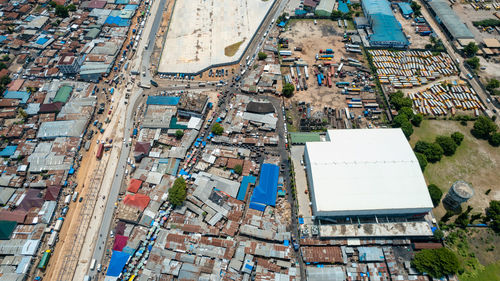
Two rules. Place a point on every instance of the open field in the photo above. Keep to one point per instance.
(201, 30)
(475, 161)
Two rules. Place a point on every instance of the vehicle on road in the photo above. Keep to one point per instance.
(92, 264)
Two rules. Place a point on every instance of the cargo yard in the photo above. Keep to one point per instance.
(331, 76)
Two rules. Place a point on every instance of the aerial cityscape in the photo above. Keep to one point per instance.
(343, 140)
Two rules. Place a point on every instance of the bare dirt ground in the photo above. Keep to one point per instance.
(475, 161)
(417, 41)
(467, 14)
(312, 38)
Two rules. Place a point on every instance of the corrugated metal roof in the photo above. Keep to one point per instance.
(450, 20)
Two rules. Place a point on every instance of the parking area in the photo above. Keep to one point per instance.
(409, 25)
(322, 47)
(305, 212)
(468, 15)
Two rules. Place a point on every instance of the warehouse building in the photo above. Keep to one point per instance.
(324, 8)
(365, 172)
(449, 20)
(387, 31)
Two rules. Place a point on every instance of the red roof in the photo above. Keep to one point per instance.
(52, 193)
(142, 147)
(134, 185)
(16, 215)
(120, 242)
(96, 4)
(140, 201)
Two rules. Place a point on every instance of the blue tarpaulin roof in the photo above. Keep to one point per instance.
(18, 95)
(282, 24)
(300, 12)
(112, 20)
(121, 2)
(265, 193)
(118, 261)
(8, 151)
(343, 7)
(42, 40)
(130, 7)
(244, 186)
(2, 38)
(405, 8)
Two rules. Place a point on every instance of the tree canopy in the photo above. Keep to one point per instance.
(483, 127)
(493, 84)
(62, 11)
(473, 62)
(448, 145)
(422, 160)
(217, 129)
(417, 120)
(432, 151)
(471, 49)
(493, 215)
(457, 137)
(262, 56)
(179, 134)
(398, 100)
(436, 262)
(238, 169)
(435, 194)
(177, 193)
(288, 90)
(494, 139)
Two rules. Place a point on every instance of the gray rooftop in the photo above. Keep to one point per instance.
(54, 129)
(450, 20)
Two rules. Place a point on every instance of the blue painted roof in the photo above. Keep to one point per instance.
(8, 151)
(116, 20)
(18, 95)
(405, 8)
(244, 186)
(163, 100)
(386, 28)
(3, 38)
(121, 2)
(265, 193)
(42, 40)
(130, 7)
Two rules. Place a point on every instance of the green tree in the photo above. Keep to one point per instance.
(238, 169)
(71, 7)
(435, 194)
(2, 66)
(448, 145)
(473, 62)
(262, 56)
(406, 111)
(416, 8)
(457, 137)
(462, 220)
(398, 100)
(336, 15)
(422, 160)
(399, 120)
(436, 262)
(5, 80)
(438, 234)
(288, 90)
(483, 127)
(62, 11)
(407, 129)
(53, 4)
(217, 129)
(432, 151)
(179, 134)
(494, 139)
(493, 84)
(177, 193)
(471, 49)
(493, 215)
(417, 120)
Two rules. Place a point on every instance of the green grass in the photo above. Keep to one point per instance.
(490, 273)
(230, 50)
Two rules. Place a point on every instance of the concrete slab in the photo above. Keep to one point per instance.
(399, 229)
(200, 31)
(305, 211)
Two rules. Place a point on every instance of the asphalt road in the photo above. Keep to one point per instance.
(146, 54)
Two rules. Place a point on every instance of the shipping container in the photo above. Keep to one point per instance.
(100, 151)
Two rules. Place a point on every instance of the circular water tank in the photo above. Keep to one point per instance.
(459, 193)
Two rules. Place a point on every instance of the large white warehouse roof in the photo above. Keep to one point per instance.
(365, 172)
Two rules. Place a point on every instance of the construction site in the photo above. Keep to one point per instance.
(216, 33)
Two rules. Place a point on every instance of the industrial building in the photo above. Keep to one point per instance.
(363, 173)
(387, 31)
(325, 8)
(451, 23)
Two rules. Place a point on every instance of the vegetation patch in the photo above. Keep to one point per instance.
(230, 50)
